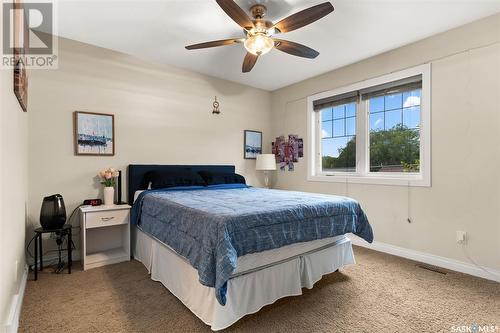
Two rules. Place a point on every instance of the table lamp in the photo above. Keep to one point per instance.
(266, 163)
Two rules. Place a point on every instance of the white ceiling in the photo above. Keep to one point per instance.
(357, 29)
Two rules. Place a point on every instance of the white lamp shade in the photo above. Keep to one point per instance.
(265, 162)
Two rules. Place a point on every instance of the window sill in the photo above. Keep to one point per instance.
(390, 180)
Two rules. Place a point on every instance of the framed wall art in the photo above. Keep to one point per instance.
(94, 133)
(253, 144)
(21, 35)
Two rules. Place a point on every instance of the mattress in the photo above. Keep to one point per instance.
(260, 260)
(136, 194)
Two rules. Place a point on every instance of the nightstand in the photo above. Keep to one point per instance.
(105, 235)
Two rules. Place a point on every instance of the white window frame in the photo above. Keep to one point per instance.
(363, 174)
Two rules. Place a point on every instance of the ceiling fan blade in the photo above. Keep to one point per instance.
(236, 13)
(249, 62)
(295, 49)
(304, 17)
(214, 43)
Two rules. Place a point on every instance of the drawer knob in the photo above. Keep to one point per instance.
(104, 219)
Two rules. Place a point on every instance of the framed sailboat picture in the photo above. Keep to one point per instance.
(252, 144)
(94, 133)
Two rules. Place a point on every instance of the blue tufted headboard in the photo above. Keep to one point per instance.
(136, 172)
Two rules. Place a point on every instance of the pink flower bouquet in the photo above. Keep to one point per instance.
(108, 177)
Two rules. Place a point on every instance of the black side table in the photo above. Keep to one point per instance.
(64, 231)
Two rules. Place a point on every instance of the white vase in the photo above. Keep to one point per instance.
(109, 196)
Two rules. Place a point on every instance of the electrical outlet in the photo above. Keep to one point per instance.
(461, 237)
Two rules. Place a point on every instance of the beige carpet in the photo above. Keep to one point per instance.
(381, 293)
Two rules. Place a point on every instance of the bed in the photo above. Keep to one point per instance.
(227, 250)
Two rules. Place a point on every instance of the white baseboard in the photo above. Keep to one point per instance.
(443, 262)
(15, 309)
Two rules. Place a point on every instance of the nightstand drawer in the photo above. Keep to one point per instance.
(106, 218)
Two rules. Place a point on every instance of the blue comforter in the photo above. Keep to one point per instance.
(212, 226)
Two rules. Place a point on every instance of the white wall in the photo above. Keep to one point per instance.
(162, 115)
(465, 192)
(13, 192)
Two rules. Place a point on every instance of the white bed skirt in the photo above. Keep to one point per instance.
(247, 293)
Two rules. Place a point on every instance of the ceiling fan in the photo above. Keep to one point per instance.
(259, 32)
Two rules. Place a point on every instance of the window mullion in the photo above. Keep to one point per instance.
(319, 137)
(360, 138)
(366, 141)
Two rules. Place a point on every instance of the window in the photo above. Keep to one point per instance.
(394, 129)
(376, 131)
(338, 137)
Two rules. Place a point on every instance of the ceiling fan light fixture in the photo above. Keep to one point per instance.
(259, 44)
(259, 32)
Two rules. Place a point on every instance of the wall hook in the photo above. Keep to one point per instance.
(216, 106)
